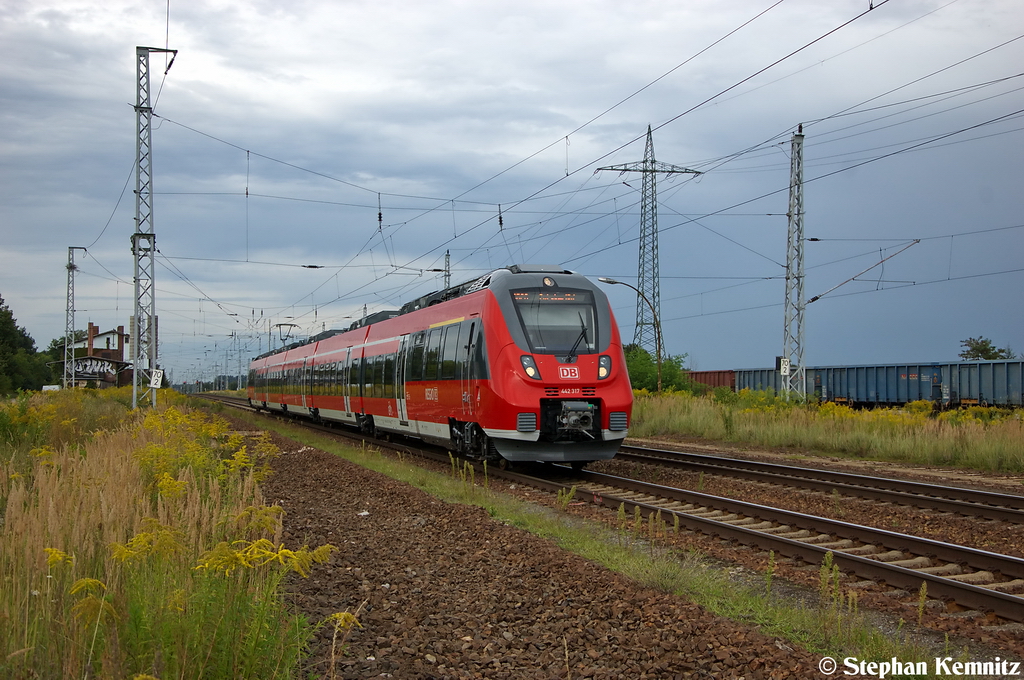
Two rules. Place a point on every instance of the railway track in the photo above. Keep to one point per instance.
(967, 502)
(972, 579)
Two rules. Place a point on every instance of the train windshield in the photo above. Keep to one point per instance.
(557, 321)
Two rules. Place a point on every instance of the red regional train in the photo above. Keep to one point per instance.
(522, 364)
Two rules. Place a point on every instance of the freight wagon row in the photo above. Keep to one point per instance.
(985, 383)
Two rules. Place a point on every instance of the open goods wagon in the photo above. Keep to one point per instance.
(714, 378)
(985, 383)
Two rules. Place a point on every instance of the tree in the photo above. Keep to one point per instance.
(56, 347)
(981, 348)
(20, 367)
(643, 370)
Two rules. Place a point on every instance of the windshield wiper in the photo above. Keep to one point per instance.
(571, 356)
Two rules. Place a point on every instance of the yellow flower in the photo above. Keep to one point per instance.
(55, 557)
(89, 584)
(343, 620)
(154, 539)
(170, 487)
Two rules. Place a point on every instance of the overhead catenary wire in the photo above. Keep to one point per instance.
(522, 235)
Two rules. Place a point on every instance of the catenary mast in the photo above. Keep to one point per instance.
(144, 326)
(69, 327)
(793, 337)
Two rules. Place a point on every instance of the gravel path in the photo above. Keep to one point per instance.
(448, 592)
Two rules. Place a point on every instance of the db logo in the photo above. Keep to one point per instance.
(569, 372)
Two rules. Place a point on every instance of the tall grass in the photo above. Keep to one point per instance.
(976, 438)
(139, 543)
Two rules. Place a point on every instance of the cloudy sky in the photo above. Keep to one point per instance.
(475, 128)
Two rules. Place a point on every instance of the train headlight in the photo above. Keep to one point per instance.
(530, 366)
(604, 367)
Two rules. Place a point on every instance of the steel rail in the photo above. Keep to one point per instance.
(610, 491)
(968, 502)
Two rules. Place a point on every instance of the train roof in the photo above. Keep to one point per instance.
(437, 297)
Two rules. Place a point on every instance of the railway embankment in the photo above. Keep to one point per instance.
(444, 591)
(448, 590)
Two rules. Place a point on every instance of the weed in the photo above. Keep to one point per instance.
(343, 623)
(837, 506)
(565, 497)
(922, 600)
(769, 574)
(979, 438)
(133, 501)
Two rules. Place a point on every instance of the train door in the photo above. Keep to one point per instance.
(305, 381)
(345, 367)
(468, 377)
(399, 378)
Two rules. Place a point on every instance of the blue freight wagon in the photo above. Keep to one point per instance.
(986, 383)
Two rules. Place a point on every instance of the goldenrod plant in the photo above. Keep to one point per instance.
(138, 544)
(975, 437)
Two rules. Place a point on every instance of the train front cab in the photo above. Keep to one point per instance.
(560, 388)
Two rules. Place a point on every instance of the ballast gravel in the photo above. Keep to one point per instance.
(446, 591)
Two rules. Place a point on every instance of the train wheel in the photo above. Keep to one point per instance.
(578, 465)
(504, 464)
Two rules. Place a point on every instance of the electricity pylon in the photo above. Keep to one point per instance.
(648, 279)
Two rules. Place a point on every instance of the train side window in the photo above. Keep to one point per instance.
(450, 350)
(389, 376)
(431, 355)
(414, 367)
(462, 357)
(478, 361)
(355, 378)
(415, 370)
(373, 376)
(378, 377)
(369, 370)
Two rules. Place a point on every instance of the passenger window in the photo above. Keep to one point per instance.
(378, 376)
(355, 378)
(389, 376)
(368, 365)
(415, 371)
(450, 352)
(432, 354)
